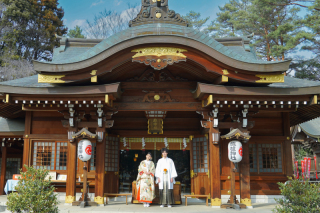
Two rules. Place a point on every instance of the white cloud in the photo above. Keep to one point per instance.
(96, 3)
(78, 22)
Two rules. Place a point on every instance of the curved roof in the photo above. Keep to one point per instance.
(311, 128)
(161, 33)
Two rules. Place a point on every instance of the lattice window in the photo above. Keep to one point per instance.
(13, 167)
(93, 157)
(200, 149)
(61, 156)
(43, 155)
(253, 158)
(50, 155)
(270, 159)
(112, 154)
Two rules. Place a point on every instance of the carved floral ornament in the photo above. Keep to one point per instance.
(159, 57)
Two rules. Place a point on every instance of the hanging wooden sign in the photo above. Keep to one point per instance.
(155, 126)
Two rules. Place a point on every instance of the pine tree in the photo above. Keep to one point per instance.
(34, 24)
(76, 32)
(275, 24)
(194, 20)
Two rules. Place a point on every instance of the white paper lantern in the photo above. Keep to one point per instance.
(235, 151)
(84, 150)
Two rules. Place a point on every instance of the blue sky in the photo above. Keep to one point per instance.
(78, 11)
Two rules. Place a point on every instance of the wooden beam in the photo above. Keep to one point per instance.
(287, 144)
(169, 106)
(3, 170)
(214, 168)
(71, 172)
(203, 89)
(100, 171)
(137, 133)
(244, 166)
(27, 144)
(158, 85)
(221, 80)
(49, 136)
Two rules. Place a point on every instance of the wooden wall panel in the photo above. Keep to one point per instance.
(47, 123)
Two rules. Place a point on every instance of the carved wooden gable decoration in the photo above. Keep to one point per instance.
(159, 57)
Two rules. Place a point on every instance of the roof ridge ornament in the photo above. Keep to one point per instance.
(157, 11)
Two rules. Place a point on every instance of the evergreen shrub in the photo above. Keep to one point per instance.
(34, 193)
(299, 196)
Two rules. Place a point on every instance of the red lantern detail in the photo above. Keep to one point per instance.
(88, 150)
(240, 151)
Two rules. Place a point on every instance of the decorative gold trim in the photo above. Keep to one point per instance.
(246, 201)
(70, 199)
(7, 98)
(191, 137)
(225, 72)
(135, 201)
(94, 79)
(229, 192)
(191, 173)
(206, 135)
(159, 51)
(99, 200)
(157, 97)
(208, 173)
(224, 79)
(177, 202)
(209, 101)
(270, 78)
(216, 202)
(178, 182)
(158, 15)
(56, 79)
(94, 72)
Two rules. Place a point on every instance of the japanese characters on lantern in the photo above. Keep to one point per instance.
(235, 151)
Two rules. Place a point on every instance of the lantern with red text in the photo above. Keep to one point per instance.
(84, 150)
(235, 151)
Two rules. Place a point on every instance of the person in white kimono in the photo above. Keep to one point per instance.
(165, 174)
(145, 181)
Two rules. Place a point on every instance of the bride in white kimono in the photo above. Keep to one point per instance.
(165, 174)
(145, 181)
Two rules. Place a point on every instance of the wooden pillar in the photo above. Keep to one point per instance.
(244, 167)
(100, 168)
(287, 145)
(3, 170)
(27, 144)
(215, 179)
(71, 172)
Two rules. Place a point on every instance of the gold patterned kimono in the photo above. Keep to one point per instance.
(145, 183)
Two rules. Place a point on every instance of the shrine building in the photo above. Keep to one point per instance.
(159, 83)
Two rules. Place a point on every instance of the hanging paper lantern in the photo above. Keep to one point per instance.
(235, 151)
(84, 150)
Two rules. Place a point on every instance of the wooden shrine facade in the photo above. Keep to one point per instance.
(159, 79)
